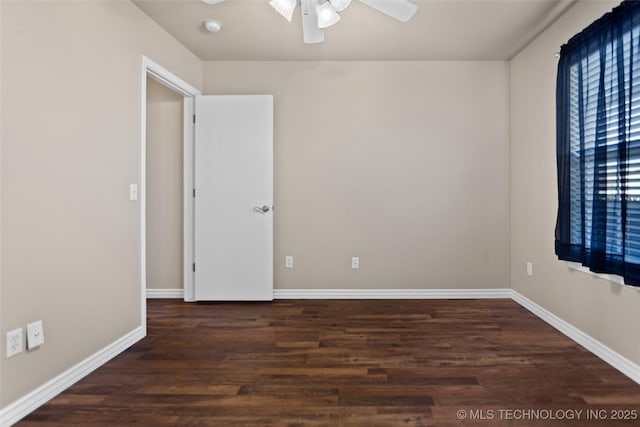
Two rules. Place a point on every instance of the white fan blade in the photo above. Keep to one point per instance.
(312, 34)
(402, 10)
(212, 1)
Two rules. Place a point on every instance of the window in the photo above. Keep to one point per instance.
(598, 145)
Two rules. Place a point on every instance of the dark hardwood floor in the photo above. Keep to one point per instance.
(348, 363)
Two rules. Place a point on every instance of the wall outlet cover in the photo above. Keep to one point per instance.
(14, 342)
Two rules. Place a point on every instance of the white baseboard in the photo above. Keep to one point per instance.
(619, 362)
(165, 293)
(22, 407)
(391, 293)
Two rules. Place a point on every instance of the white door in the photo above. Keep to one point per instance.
(233, 224)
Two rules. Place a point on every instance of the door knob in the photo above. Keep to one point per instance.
(261, 210)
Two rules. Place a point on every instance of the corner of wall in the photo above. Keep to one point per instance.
(590, 304)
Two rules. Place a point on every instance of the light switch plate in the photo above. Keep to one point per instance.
(35, 335)
(133, 191)
(355, 263)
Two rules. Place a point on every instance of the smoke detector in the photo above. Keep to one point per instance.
(212, 26)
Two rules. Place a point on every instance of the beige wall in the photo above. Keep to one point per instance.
(404, 164)
(164, 187)
(70, 148)
(600, 308)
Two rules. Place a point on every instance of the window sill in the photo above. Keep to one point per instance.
(610, 277)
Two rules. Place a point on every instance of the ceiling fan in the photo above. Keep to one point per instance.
(320, 14)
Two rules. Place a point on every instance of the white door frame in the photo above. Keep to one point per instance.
(166, 78)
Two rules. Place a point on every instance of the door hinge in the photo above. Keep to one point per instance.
(194, 118)
(194, 267)
(194, 193)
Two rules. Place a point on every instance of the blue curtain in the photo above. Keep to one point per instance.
(598, 145)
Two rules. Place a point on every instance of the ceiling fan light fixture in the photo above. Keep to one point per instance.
(284, 7)
(340, 5)
(327, 15)
(317, 15)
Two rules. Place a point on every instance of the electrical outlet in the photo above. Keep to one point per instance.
(14, 342)
(529, 268)
(288, 261)
(35, 335)
(355, 263)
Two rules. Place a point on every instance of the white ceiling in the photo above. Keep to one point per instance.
(440, 30)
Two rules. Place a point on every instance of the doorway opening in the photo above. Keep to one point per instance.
(163, 77)
(164, 192)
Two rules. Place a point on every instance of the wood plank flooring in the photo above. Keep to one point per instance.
(348, 363)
